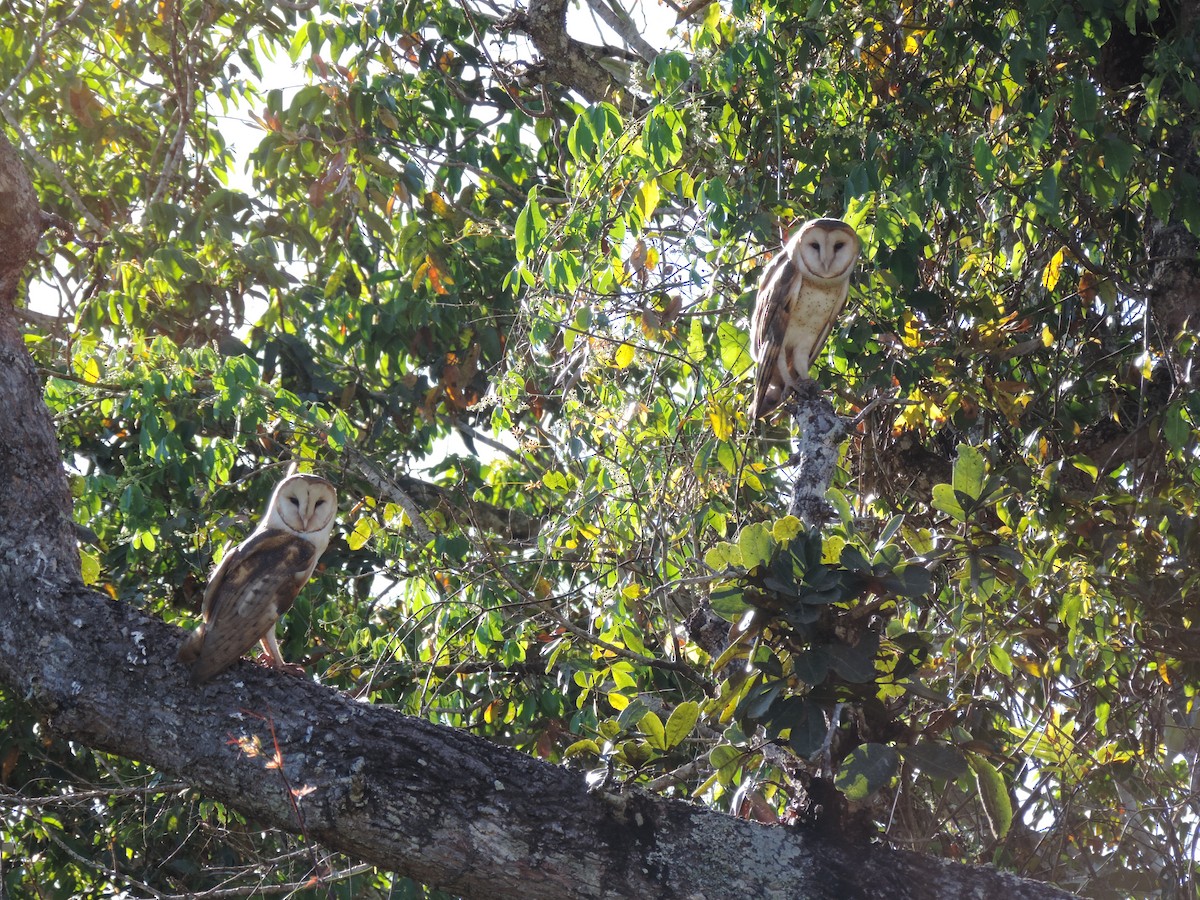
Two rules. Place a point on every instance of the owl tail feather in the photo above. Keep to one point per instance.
(189, 652)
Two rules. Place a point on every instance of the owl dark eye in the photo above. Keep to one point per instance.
(295, 501)
(838, 246)
(319, 504)
(815, 245)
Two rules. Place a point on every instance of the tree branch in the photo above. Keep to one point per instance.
(566, 61)
(413, 495)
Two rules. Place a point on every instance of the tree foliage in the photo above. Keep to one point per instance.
(495, 284)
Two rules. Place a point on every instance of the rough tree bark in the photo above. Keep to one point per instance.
(819, 432)
(442, 806)
(566, 61)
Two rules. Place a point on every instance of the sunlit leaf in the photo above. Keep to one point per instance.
(993, 794)
(866, 770)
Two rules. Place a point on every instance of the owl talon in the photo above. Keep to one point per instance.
(265, 659)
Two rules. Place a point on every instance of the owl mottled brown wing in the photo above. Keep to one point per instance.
(776, 290)
(253, 586)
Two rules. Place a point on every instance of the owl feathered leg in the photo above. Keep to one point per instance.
(271, 646)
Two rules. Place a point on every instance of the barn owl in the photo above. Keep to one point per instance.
(257, 581)
(799, 297)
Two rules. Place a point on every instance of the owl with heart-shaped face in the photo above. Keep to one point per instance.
(802, 291)
(258, 580)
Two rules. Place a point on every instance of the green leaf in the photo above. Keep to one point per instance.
(866, 770)
(985, 161)
(735, 353)
(662, 138)
(668, 71)
(632, 714)
(1000, 659)
(530, 227)
(912, 580)
(729, 602)
(993, 794)
(587, 745)
(855, 662)
(945, 498)
(1039, 130)
(90, 567)
(1177, 429)
(969, 471)
(556, 481)
(722, 556)
(841, 505)
(681, 722)
(808, 728)
(723, 756)
(652, 727)
(812, 665)
(1118, 157)
(1084, 104)
(756, 545)
(937, 759)
(852, 558)
(857, 211)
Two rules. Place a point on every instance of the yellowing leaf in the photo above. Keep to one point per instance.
(436, 204)
(624, 356)
(647, 197)
(719, 419)
(783, 530)
(388, 118)
(1053, 269)
(360, 535)
(1163, 672)
(587, 745)
(90, 567)
(831, 548)
(556, 481)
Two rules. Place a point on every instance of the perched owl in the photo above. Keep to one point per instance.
(258, 580)
(801, 293)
